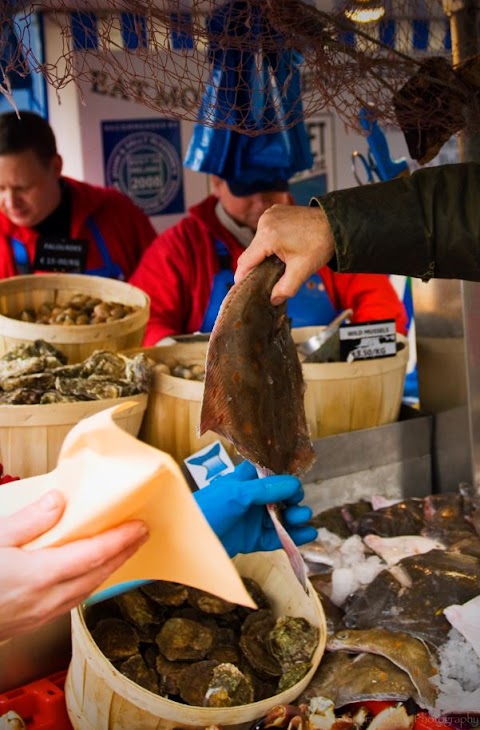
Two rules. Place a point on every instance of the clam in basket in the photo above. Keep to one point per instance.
(99, 697)
(30, 292)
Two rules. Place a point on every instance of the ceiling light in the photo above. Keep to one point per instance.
(365, 11)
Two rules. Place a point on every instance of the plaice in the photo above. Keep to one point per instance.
(405, 651)
(254, 386)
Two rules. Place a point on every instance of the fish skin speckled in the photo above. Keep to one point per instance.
(254, 385)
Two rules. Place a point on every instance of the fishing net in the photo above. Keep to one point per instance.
(240, 64)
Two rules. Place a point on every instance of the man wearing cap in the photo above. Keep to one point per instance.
(189, 268)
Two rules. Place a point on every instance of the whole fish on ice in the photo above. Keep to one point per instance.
(405, 651)
(412, 595)
(345, 678)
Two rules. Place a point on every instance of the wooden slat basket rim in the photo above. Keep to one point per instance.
(103, 288)
(193, 389)
(58, 414)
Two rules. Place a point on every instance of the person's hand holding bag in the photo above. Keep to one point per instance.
(39, 585)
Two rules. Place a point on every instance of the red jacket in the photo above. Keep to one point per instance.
(125, 229)
(178, 269)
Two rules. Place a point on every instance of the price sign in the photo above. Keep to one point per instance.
(368, 340)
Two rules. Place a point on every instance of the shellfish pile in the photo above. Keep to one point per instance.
(79, 309)
(38, 373)
(195, 648)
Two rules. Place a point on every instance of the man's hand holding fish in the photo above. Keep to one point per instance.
(300, 236)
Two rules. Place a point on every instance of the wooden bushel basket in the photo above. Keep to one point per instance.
(76, 341)
(31, 436)
(99, 697)
(350, 396)
(339, 397)
(174, 404)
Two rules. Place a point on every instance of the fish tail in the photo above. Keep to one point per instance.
(293, 553)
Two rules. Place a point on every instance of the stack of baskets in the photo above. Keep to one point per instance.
(31, 435)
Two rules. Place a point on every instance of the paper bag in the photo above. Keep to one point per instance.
(109, 477)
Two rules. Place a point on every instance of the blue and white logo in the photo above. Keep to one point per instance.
(142, 160)
(208, 463)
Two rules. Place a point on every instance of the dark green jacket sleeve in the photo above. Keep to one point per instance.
(426, 225)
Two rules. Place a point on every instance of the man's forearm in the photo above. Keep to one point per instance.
(425, 225)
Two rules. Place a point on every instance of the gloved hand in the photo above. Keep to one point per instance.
(234, 506)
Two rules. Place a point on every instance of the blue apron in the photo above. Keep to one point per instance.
(108, 269)
(310, 306)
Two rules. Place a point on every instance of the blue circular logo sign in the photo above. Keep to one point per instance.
(147, 168)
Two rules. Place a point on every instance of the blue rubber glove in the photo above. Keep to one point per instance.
(234, 506)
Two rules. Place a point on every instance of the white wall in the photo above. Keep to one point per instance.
(63, 108)
(77, 112)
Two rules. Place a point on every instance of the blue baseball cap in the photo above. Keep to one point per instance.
(242, 188)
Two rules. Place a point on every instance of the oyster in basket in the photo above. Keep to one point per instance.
(139, 370)
(104, 362)
(228, 687)
(53, 396)
(263, 687)
(225, 654)
(293, 675)
(194, 680)
(169, 674)
(166, 593)
(138, 609)
(257, 593)
(38, 373)
(136, 669)
(146, 616)
(38, 348)
(35, 381)
(93, 389)
(22, 366)
(253, 643)
(21, 397)
(185, 644)
(292, 640)
(208, 603)
(117, 639)
(182, 638)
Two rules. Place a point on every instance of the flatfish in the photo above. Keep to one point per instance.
(413, 599)
(405, 651)
(344, 678)
(254, 387)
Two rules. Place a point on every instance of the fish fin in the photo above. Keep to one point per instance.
(293, 553)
